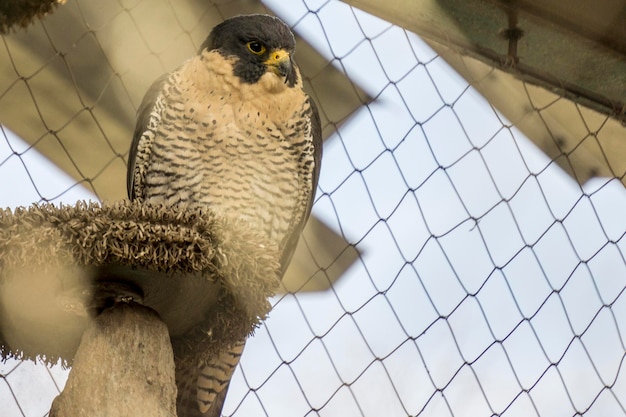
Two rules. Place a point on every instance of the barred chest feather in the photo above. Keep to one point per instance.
(241, 149)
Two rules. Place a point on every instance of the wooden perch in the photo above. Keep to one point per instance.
(124, 366)
(68, 273)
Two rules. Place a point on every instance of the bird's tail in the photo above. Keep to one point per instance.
(202, 389)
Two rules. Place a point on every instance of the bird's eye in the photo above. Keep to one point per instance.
(256, 47)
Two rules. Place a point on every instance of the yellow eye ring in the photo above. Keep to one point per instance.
(256, 47)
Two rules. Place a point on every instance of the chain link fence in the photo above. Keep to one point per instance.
(488, 282)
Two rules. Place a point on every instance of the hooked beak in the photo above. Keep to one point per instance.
(279, 63)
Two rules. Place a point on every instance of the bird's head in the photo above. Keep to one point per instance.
(259, 44)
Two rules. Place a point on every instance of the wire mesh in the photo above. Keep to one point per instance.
(489, 282)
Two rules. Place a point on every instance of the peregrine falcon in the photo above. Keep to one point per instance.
(231, 129)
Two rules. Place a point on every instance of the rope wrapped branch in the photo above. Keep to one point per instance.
(208, 277)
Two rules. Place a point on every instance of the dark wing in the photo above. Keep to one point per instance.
(143, 117)
(316, 133)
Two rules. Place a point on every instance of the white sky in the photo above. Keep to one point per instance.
(443, 315)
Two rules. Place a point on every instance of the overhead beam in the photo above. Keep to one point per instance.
(566, 48)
